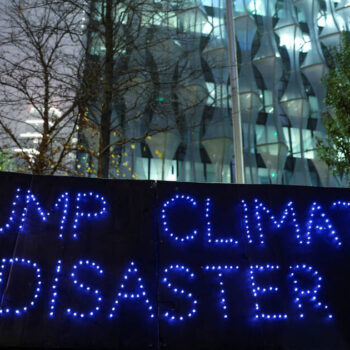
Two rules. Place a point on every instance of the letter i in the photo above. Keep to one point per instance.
(54, 292)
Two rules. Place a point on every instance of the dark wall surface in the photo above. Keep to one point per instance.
(161, 265)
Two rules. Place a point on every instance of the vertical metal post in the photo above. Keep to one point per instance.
(236, 108)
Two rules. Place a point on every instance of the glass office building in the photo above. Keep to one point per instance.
(180, 125)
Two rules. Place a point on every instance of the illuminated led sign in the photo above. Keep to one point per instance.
(184, 260)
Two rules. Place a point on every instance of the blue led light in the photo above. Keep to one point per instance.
(318, 221)
(259, 290)
(83, 287)
(341, 204)
(54, 292)
(139, 294)
(171, 317)
(37, 289)
(210, 239)
(87, 197)
(259, 210)
(63, 203)
(13, 213)
(220, 270)
(164, 217)
(309, 295)
(28, 199)
(246, 222)
(71, 215)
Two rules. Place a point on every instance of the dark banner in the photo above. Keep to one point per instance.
(89, 263)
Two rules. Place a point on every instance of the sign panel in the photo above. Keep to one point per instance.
(89, 263)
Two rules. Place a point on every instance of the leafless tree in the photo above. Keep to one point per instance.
(40, 66)
(135, 74)
(111, 73)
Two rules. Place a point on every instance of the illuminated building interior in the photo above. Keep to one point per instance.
(282, 55)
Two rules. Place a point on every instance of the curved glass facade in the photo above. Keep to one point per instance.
(181, 128)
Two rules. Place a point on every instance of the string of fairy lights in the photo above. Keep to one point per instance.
(75, 210)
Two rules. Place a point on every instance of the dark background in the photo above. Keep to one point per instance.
(131, 231)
